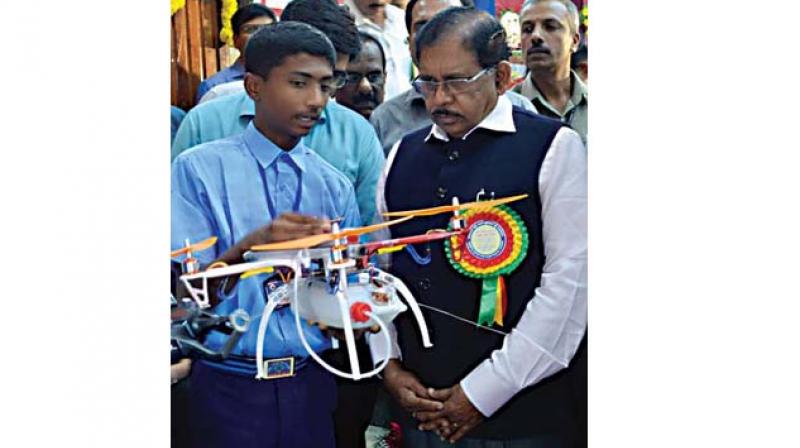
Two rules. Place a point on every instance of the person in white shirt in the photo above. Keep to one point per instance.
(389, 21)
(506, 381)
(219, 90)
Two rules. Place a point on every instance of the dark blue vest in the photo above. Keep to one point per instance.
(426, 174)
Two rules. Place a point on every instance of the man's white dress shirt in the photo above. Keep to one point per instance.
(394, 37)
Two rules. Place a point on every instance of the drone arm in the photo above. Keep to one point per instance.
(231, 258)
(207, 294)
(199, 295)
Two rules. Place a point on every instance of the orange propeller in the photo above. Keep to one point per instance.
(202, 245)
(452, 208)
(300, 243)
(355, 231)
(316, 240)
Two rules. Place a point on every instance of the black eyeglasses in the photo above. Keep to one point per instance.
(354, 78)
(339, 78)
(453, 86)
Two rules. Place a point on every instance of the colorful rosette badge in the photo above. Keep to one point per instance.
(493, 244)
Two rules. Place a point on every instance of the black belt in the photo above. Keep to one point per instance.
(246, 366)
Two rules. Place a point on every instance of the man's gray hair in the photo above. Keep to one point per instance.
(574, 16)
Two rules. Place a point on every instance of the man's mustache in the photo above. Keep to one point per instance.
(363, 100)
(442, 112)
(538, 48)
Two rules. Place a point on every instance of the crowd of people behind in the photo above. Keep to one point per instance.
(341, 112)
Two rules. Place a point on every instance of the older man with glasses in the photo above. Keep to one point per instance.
(406, 112)
(366, 77)
(386, 20)
(501, 378)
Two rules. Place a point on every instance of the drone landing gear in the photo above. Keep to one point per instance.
(350, 341)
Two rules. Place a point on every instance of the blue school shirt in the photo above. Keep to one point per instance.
(342, 137)
(233, 73)
(230, 187)
(176, 116)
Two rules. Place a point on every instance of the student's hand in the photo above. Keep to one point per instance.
(457, 417)
(406, 388)
(288, 226)
(180, 370)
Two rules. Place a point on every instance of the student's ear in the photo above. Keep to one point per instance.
(502, 78)
(252, 85)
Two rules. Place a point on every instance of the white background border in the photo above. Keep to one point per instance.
(693, 224)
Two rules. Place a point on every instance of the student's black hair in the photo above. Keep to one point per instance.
(410, 9)
(334, 21)
(365, 36)
(482, 33)
(249, 12)
(270, 45)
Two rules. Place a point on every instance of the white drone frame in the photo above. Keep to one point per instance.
(302, 259)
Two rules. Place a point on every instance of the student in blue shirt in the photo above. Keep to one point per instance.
(342, 137)
(263, 186)
(245, 21)
(176, 115)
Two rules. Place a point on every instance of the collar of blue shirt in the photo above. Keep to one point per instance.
(499, 119)
(248, 108)
(267, 152)
(233, 72)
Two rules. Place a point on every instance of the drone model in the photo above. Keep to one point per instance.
(328, 280)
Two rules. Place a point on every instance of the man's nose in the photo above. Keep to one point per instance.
(441, 95)
(316, 99)
(364, 86)
(536, 34)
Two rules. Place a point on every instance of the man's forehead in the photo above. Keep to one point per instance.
(460, 60)
(370, 54)
(545, 10)
(307, 65)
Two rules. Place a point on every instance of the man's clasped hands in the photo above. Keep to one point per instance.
(446, 411)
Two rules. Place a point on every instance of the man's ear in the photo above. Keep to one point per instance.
(576, 42)
(503, 77)
(252, 85)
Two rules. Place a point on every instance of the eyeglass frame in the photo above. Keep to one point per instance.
(466, 82)
(339, 78)
(361, 76)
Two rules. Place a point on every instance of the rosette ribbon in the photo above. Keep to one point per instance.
(493, 244)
